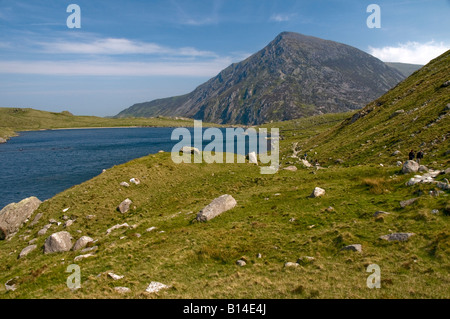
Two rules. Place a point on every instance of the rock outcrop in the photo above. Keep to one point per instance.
(14, 215)
(217, 207)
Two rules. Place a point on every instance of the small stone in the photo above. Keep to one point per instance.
(27, 250)
(114, 276)
(155, 287)
(135, 181)
(138, 235)
(31, 242)
(150, 229)
(397, 236)
(318, 192)
(68, 223)
(81, 257)
(82, 243)
(87, 250)
(125, 225)
(124, 184)
(65, 210)
(44, 230)
(252, 158)
(435, 211)
(241, 263)
(124, 207)
(291, 265)
(36, 219)
(355, 247)
(259, 256)
(11, 285)
(53, 221)
(291, 168)
(90, 217)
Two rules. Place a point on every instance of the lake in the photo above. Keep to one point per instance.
(45, 163)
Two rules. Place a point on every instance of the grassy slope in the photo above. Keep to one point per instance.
(198, 260)
(14, 119)
(424, 124)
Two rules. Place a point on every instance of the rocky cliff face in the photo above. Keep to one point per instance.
(294, 76)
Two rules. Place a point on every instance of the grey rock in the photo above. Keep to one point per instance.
(135, 181)
(291, 168)
(82, 243)
(423, 169)
(124, 207)
(435, 211)
(155, 287)
(399, 163)
(124, 184)
(397, 236)
(291, 265)
(125, 225)
(14, 215)
(114, 276)
(58, 242)
(397, 113)
(81, 257)
(318, 192)
(408, 202)
(68, 223)
(216, 207)
(355, 247)
(11, 284)
(31, 242)
(396, 153)
(410, 167)
(241, 263)
(306, 260)
(36, 219)
(87, 250)
(44, 230)
(27, 250)
(252, 158)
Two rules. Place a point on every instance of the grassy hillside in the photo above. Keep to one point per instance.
(17, 119)
(275, 218)
(413, 115)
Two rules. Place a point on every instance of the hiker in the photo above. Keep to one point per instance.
(306, 156)
(419, 156)
(412, 155)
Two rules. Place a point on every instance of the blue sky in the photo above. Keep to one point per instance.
(130, 51)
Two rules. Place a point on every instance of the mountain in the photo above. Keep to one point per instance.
(413, 115)
(294, 76)
(405, 68)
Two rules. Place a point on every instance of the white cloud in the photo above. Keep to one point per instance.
(410, 52)
(112, 46)
(115, 68)
(278, 17)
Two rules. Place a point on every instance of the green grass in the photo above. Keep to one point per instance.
(198, 259)
(13, 120)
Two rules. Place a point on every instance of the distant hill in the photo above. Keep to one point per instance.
(294, 76)
(27, 119)
(405, 68)
(413, 115)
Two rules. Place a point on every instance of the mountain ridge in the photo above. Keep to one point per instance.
(294, 76)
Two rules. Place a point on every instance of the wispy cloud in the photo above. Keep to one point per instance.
(410, 52)
(113, 46)
(280, 17)
(115, 68)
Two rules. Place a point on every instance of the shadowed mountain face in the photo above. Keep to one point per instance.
(294, 76)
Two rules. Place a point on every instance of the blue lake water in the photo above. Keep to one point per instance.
(45, 163)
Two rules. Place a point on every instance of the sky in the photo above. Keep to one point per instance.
(131, 51)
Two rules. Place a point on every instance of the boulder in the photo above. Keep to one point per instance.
(408, 202)
(124, 207)
(14, 215)
(58, 242)
(155, 287)
(317, 192)
(397, 236)
(410, 167)
(190, 150)
(27, 250)
(217, 207)
(355, 247)
(82, 243)
(252, 158)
